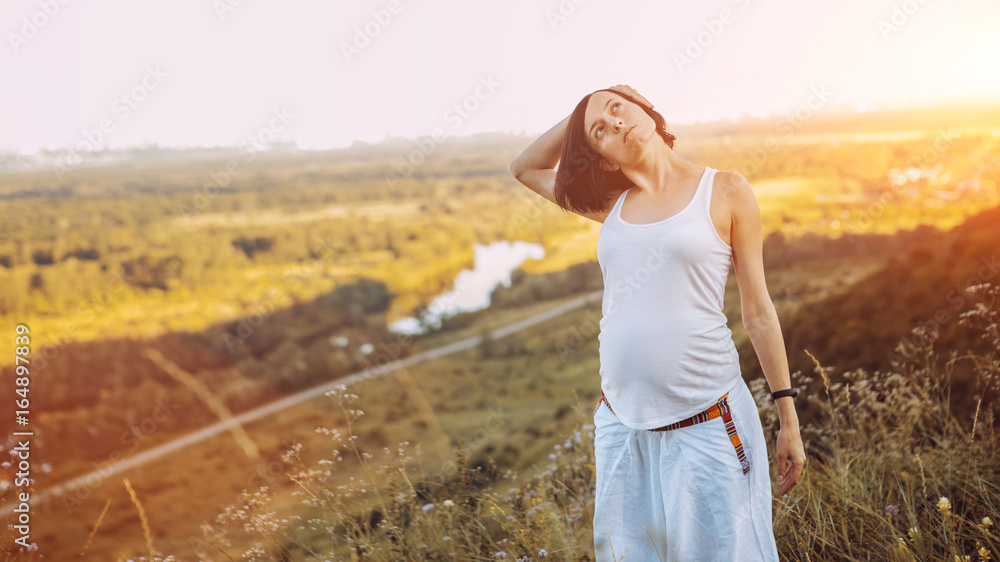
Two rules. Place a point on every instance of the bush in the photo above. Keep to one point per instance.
(894, 474)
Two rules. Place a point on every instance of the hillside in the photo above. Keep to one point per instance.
(862, 325)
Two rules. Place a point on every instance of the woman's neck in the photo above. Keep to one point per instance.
(659, 169)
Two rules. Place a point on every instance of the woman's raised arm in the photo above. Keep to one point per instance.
(535, 167)
(543, 153)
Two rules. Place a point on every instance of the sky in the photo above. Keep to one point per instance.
(205, 73)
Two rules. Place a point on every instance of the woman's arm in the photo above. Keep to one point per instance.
(761, 320)
(535, 166)
(543, 153)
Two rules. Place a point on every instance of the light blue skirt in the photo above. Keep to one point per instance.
(683, 495)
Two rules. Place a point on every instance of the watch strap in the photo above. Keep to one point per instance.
(793, 392)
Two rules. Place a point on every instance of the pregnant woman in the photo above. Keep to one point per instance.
(682, 471)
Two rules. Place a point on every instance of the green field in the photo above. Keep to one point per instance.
(151, 252)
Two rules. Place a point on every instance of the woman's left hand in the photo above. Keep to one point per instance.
(789, 449)
(629, 90)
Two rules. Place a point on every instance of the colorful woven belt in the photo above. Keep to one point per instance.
(720, 408)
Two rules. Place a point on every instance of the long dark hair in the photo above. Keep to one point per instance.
(582, 184)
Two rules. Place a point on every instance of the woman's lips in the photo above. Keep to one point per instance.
(627, 133)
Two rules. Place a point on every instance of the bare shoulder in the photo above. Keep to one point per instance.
(735, 190)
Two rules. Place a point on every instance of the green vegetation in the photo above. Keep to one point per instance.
(930, 492)
(249, 283)
(178, 234)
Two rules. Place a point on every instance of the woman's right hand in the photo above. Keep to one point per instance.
(628, 90)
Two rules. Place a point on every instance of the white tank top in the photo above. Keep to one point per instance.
(666, 352)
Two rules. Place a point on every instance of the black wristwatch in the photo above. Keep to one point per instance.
(793, 392)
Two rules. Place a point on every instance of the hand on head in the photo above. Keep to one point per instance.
(628, 90)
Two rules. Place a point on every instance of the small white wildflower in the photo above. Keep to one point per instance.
(944, 504)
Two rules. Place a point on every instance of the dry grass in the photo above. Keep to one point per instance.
(142, 517)
(96, 525)
(893, 475)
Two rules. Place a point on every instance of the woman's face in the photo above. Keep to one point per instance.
(616, 128)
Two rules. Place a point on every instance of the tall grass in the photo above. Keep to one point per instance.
(893, 474)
